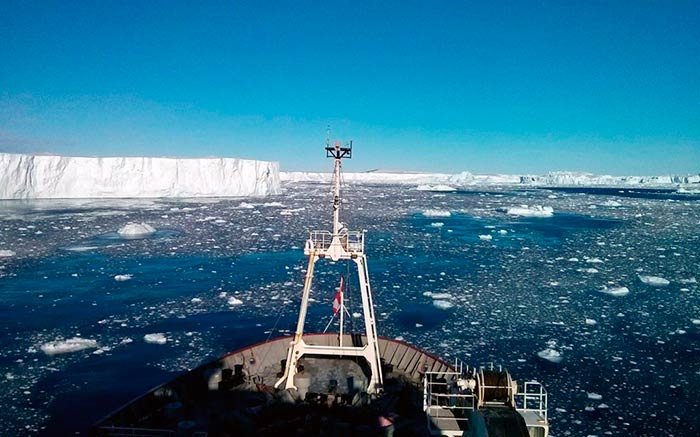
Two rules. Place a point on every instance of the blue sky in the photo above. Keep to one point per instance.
(487, 87)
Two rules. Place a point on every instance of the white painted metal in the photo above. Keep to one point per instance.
(341, 244)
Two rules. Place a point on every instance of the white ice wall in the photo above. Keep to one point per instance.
(561, 179)
(38, 176)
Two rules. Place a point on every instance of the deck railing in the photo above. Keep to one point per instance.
(351, 241)
(533, 397)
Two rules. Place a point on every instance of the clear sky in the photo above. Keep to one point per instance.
(487, 87)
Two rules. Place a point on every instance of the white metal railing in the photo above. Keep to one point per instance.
(533, 397)
(351, 241)
(445, 405)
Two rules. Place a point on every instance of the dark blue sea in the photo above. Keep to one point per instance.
(92, 319)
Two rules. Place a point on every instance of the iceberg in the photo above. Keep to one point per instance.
(426, 181)
(6, 253)
(136, 230)
(70, 345)
(47, 177)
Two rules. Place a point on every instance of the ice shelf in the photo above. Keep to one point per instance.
(39, 176)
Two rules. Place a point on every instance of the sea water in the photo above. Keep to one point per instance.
(92, 318)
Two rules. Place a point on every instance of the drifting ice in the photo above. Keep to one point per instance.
(133, 230)
(615, 291)
(654, 281)
(122, 278)
(550, 355)
(6, 253)
(70, 345)
(156, 338)
(436, 213)
(36, 177)
(531, 211)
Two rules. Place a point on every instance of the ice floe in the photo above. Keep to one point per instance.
(155, 338)
(135, 230)
(443, 304)
(530, 211)
(551, 355)
(654, 281)
(438, 187)
(70, 345)
(486, 237)
(615, 291)
(122, 278)
(594, 396)
(5, 253)
(436, 213)
(234, 301)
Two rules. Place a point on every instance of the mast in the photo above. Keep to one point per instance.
(336, 245)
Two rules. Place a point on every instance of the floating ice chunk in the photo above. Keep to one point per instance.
(551, 355)
(591, 322)
(614, 203)
(689, 281)
(695, 321)
(594, 260)
(615, 291)
(419, 325)
(70, 345)
(486, 237)
(435, 188)
(357, 315)
(443, 304)
(654, 281)
(156, 338)
(223, 294)
(5, 253)
(135, 230)
(436, 213)
(427, 293)
(439, 295)
(588, 270)
(502, 232)
(531, 211)
(233, 301)
(437, 224)
(126, 340)
(594, 396)
(195, 300)
(122, 278)
(245, 205)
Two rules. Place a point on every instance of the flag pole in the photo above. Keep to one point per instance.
(342, 308)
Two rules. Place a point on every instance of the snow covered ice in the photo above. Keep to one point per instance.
(218, 272)
(39, 176)
(66, 346)
(136, 230)
(157, 338)
(654, 281)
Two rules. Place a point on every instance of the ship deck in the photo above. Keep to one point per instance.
(234, 395)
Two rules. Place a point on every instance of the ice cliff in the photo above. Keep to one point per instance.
(559, 179)
(38, 176)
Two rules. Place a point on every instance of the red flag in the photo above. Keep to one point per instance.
(338, 297)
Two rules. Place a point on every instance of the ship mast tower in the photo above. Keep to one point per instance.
(340, 244)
